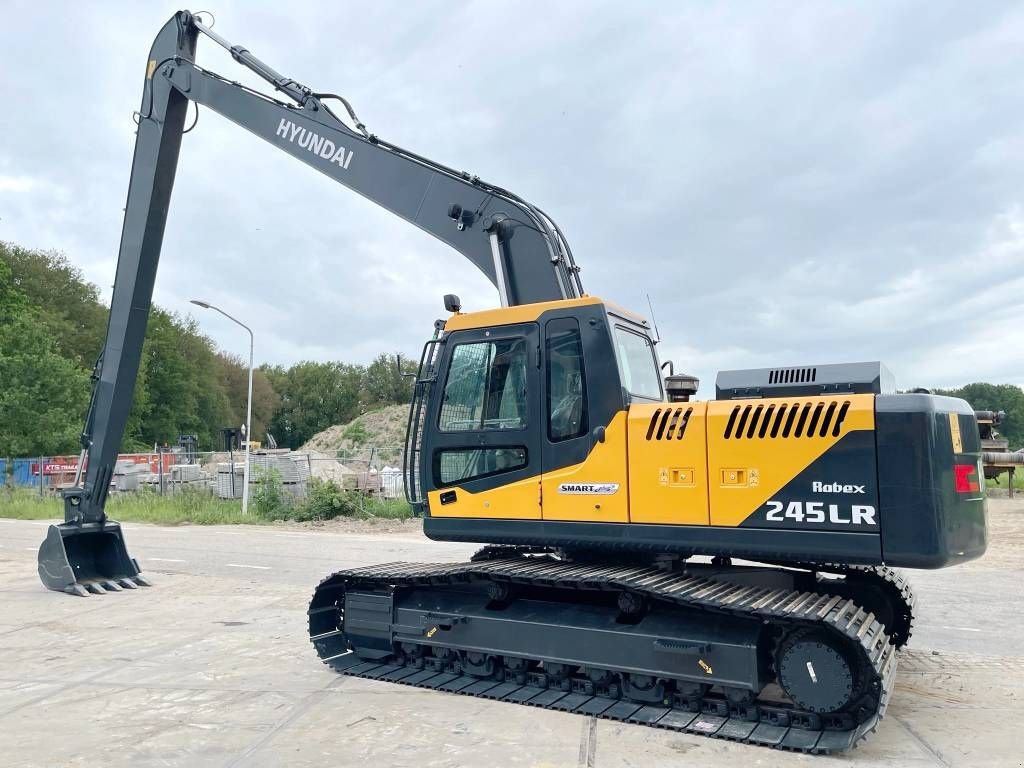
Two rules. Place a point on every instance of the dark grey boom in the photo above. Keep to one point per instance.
(515, 244)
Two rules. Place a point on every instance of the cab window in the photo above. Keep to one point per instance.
(486, 387)
(461, 464)
(566, 382)
(637, 364)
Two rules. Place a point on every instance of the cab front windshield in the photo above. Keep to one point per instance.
(638, 366)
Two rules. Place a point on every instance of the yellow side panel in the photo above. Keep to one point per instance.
(750, 466)
(668, 481)
(516, 501)
(596, 489)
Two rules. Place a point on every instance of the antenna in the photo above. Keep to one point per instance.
(654, 322)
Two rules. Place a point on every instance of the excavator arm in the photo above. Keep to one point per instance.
(515, 244)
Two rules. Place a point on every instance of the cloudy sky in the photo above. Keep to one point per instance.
(791, 183)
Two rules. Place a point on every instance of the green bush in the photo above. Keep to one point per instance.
(269, 499)
(325, 500)
(357, 433)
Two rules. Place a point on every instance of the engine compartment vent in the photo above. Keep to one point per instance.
(669, 423)
(792, 375)
(802, 381)
(786, 420)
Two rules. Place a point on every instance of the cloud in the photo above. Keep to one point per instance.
(791, 184)
(17, 184)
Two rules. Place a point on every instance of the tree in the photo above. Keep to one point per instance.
(12, 301)
(53, 331)
(134, 439)
(64, 301)
(44, 395)
(314, 396)
(185, 395)
(233, 374)
(997, 397)
(388, 380)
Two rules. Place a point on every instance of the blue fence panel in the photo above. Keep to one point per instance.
(23, 472)
(3, 472)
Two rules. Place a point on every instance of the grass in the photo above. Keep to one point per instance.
(1018, 480)
(384, 509)
(199, 507)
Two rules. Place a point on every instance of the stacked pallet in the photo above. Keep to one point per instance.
(227, 487)
(291, 468)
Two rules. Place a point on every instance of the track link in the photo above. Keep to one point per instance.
(888, 585)
(774, 725)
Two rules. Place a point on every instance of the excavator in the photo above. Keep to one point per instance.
(720, 567)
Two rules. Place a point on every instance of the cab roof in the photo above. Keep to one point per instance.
(525, 313)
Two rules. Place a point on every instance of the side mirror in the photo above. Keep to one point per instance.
(452, 303)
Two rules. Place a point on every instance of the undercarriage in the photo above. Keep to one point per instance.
(798, 657)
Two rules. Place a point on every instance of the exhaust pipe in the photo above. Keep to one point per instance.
(81, 558)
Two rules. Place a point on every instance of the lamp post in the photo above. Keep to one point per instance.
(248, 404)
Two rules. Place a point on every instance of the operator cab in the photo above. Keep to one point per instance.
(511, 395)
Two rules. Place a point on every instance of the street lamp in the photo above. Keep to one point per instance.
(248, 404)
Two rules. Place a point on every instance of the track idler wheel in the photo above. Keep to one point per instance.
(817, 672)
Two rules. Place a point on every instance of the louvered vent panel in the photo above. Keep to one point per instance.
(781, 420)
(792, 375)
(669, 423)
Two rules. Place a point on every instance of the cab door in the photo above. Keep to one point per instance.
(584, 424)
(483, 441)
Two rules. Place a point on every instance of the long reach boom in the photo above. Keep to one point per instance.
(515, 244)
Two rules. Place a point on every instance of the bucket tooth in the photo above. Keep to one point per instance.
(95, 588)
(76, 589)
(127, 583)
(142, 581)
(112, 586)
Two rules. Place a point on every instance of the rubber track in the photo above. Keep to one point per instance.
(777, 606)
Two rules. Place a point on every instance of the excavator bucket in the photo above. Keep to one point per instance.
(79, 558)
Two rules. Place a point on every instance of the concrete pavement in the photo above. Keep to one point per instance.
(211, 667)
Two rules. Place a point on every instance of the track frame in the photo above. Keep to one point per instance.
(763, 722)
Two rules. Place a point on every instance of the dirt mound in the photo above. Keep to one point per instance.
(381, 432)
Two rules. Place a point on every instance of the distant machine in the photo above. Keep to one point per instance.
(231, 438)
(188, 448)
(996, 456)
